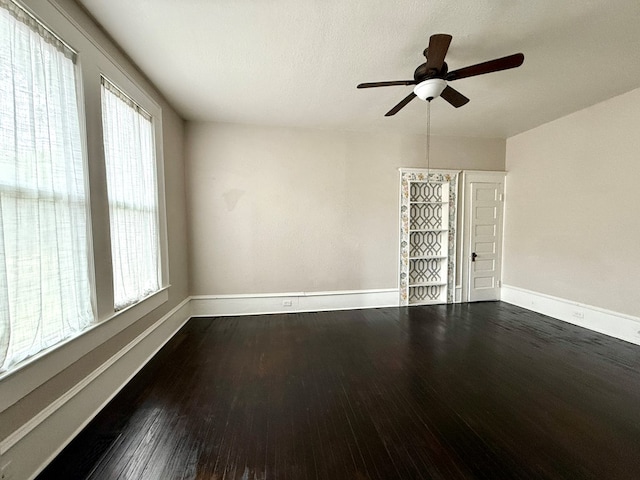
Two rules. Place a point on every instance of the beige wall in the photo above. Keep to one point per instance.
(572, 223)
(276, 210)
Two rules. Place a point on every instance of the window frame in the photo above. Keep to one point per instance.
(122, 81)
(158, 196)
(94, 61)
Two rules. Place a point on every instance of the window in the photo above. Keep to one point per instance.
(45, 292)
(132, 191)
(62, 270)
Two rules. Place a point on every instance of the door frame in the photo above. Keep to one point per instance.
(469, 176)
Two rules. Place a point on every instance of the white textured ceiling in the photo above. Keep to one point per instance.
(297, 62)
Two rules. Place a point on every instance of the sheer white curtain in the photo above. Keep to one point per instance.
(132, 191)
(45, 293)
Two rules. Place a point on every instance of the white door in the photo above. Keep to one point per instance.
(484, 209)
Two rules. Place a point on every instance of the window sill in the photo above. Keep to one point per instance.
(28, 375)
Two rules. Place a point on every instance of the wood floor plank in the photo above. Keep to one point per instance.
(469, 391)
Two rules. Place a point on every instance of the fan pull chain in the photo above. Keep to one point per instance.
(428, 139)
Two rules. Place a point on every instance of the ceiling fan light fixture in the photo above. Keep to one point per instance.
(430, 89)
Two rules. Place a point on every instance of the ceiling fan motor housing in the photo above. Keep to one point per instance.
(430, 89)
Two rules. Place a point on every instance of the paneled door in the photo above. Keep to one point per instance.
(482, 250)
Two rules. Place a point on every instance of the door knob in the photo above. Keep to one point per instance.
(473, 256)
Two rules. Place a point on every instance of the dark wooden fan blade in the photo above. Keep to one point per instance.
(454, 97)
(386, 84)
(504, 63)
(400, 105)
(437, 50)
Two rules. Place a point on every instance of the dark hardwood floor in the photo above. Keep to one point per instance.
(484, 390)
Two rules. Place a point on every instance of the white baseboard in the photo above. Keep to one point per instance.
(614, 324)
(292, 302)
(71, 412)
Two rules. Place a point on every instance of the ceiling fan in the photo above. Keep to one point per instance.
(430, 78)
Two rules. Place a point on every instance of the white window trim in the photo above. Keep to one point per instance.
(93, 61)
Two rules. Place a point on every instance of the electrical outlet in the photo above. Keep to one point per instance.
(287, 303)
(6, 471)
(578, 314)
